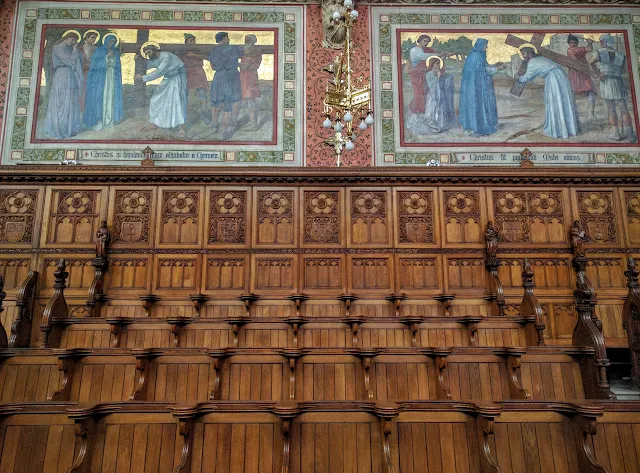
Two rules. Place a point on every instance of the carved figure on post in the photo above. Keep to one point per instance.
(103, 236)
(578, 238)
(631, 319)
(491, 238)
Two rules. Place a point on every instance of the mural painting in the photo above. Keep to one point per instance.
(515, 88)
(138, 84)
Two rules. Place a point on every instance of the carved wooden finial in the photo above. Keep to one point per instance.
(148, 160)
(631, 273)
(2, 293)
(60, 275)
(527, 272)
(525, 162)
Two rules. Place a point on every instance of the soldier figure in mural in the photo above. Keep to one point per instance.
(581, 83)
(249, 65)
(63, 109)
(578, 238)
(103, 107)
(168, 104)
(613, 90)
(197, 83)
(226, 92)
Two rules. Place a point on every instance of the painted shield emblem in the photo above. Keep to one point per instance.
(131, 231)
(512, 231)
(598, 231)
(15, 231)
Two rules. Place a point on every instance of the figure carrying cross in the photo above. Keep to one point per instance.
(561, 114)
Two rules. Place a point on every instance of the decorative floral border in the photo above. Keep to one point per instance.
(31, 16)
(389, 151)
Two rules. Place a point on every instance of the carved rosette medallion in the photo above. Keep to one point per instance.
(369, 217)
(17, 212)
(275, 217)
(415, 217)
(132, 216)
(74, 217)
(529, 217)
(632, 201)
(321, 217)
(228, 219)
(597, 216)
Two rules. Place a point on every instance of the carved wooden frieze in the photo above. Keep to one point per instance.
(274, 273)
(177, 273)
(81, 273)
(415, 217)
(128, 273)
(548, 272)
(606, 273)
(371, 273)
(275, 213)
(228, 217)
(369, 224)
(225, 274)
(632, 203)
(321, 217)
(418, 273)
(597, 215)
(17, 215)
(323, 273)
(529, 217)
(462, 216)
(180, 216)
(74, 215)
(14, 271)
(132, 216)
(466, 273)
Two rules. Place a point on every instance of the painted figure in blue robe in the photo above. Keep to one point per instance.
(560, 111)
(226, 90)
(477, 106)
(103, 105)
(63, 108)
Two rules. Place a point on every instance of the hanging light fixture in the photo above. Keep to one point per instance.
(347, 101)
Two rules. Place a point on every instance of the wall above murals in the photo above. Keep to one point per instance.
(481, 86)
(201, 86)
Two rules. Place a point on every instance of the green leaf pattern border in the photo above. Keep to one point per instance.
(32, 15)
(385, 18)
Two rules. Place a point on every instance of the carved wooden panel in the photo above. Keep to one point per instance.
(275, 218)
(530, 216)
(368, 273)
(227, 211)
(335, 444)
(170, 381)
(616, 446)
(22, 381)
(141, 446)
(17, 216)
(274, 273)
(632, 206)
(548, 272)
(249, 443)
(226, 274)
(326, 336)
(14, 271)
(396, 380)
(418, 273)
(605, 273)
(179, 217)
(415, 217)
(102, 382)
(563, 319)
(597, 213)
(177, 272)
(322, 217)
(610, 314)
(369, 223)
(548, 379)
(265, 336)
(462, 216)
(131, 212)
(128, 273)
(320, 378)
(262, 380)
(74, 216)
(427, 446)
(39, 445)
(80, 270)
(485, 380)
(323, 273)
(465, 273)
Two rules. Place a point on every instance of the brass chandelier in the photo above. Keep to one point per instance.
(346, 97)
